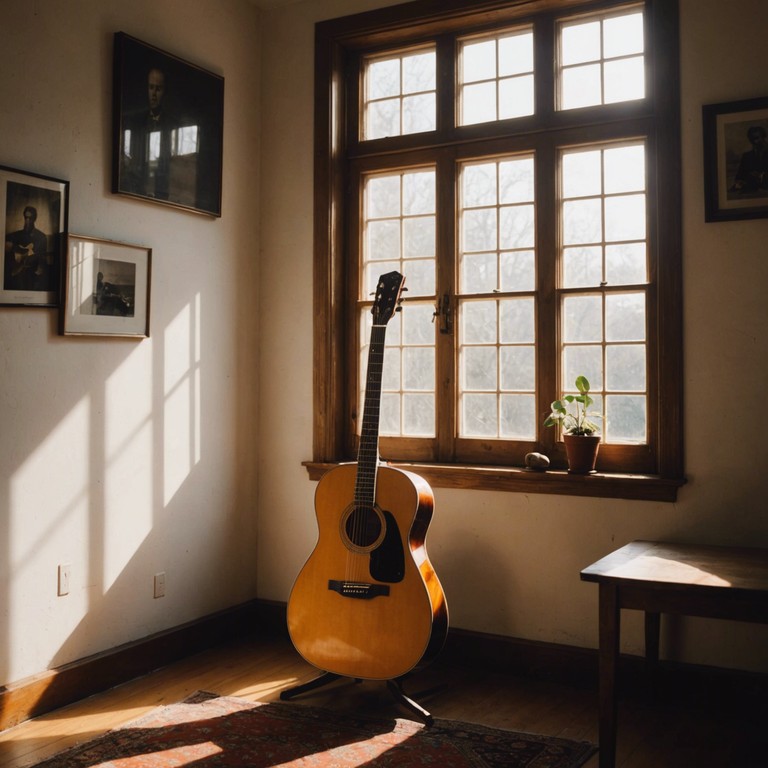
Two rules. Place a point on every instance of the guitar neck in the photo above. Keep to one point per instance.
(368, 451)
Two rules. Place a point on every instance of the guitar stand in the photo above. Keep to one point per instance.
(395, 687)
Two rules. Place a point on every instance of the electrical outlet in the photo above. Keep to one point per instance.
(64, 577)
(160, 584)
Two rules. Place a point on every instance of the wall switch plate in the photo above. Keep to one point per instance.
(64, 577)
(160, 584)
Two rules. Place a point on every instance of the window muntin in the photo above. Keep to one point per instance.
(399, 94)
(496, 77)
(602, 59)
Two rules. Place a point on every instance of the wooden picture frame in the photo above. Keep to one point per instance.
(34, 210)
(168, 123)
(736, 160)
(107, 288)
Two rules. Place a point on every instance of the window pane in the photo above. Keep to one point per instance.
(582, 174)
(479, 415)
(383, 78)
(419, 368)
(624, 169)
(516, 227)
(479, 273)
(478, 61)
(582, 267)
(518, 417)
(580, 43)
(418, 192)
(583, 360)
(623, 35)
(516, 54)
(516, 97)
(624, 80)
(382, 196)
(419, 113)
(582, 221)
(478, 103)
(581, 86)
(518, 271)
(517, 321)
(515, 180)
(625, 367)
(478, 322)
(582, 318)
(625, 217)
(518, 368)
(419, 412)
(382, 119)
(419, 72)
(626, 418)
(625, 317)
(626, 264)
(479, 368)
(479, 229)
(384, 239)
(478, 184)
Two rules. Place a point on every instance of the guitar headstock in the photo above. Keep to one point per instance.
(388, 291)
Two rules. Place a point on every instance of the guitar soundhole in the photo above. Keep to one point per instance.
(362, 528)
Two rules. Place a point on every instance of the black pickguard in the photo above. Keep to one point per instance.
(388, 559)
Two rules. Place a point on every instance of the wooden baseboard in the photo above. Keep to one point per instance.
(544, 661)
(58, 687)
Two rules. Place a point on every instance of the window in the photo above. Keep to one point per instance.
(519, 164)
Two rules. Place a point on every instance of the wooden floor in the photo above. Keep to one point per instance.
(677, 733)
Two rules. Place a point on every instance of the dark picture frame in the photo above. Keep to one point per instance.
(34, 210)
(736, 160)
(168, 121)
(106, 288)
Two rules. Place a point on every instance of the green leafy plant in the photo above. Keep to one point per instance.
(578, 420)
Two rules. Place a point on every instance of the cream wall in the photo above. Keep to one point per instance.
(124, 458)
(509, 562)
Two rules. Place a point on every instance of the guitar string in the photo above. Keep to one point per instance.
(365, 520)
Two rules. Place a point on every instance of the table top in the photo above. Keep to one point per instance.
(706, 566)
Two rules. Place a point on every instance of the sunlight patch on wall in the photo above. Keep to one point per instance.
(181, 386)
(129, 466)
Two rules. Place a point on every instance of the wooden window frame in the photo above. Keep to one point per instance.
(338, 43)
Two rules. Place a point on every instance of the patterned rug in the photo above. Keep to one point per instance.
(209, 731)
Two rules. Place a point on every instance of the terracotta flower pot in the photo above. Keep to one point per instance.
(582, 453)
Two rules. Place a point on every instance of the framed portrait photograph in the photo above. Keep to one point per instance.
(106, 290)
(34, 210)
(168, 120)
(736, 160)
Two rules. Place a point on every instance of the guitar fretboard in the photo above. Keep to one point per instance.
(368, 451)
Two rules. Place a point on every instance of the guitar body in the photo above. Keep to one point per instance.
(369, 605)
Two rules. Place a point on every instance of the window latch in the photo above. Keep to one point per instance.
(443, 313)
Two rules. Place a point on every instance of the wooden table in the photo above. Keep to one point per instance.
(659, 577)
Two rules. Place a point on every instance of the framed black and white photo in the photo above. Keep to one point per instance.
(34, 208)
(106, 289)
(168, 128)
(736, 160)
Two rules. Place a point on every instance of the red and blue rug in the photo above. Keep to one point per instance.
(209, 731)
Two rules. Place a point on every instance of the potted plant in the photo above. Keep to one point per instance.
(581, 442)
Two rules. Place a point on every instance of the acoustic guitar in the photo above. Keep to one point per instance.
(367, 603)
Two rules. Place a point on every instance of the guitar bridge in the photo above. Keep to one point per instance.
(358, 589)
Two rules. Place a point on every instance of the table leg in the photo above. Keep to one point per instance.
(610, 627)
(652, 629)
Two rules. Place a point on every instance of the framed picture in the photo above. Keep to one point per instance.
(106, 289)
(168, 125)
(35, 220)
(736, 160)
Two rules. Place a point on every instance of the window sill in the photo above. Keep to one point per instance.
(518, 480)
